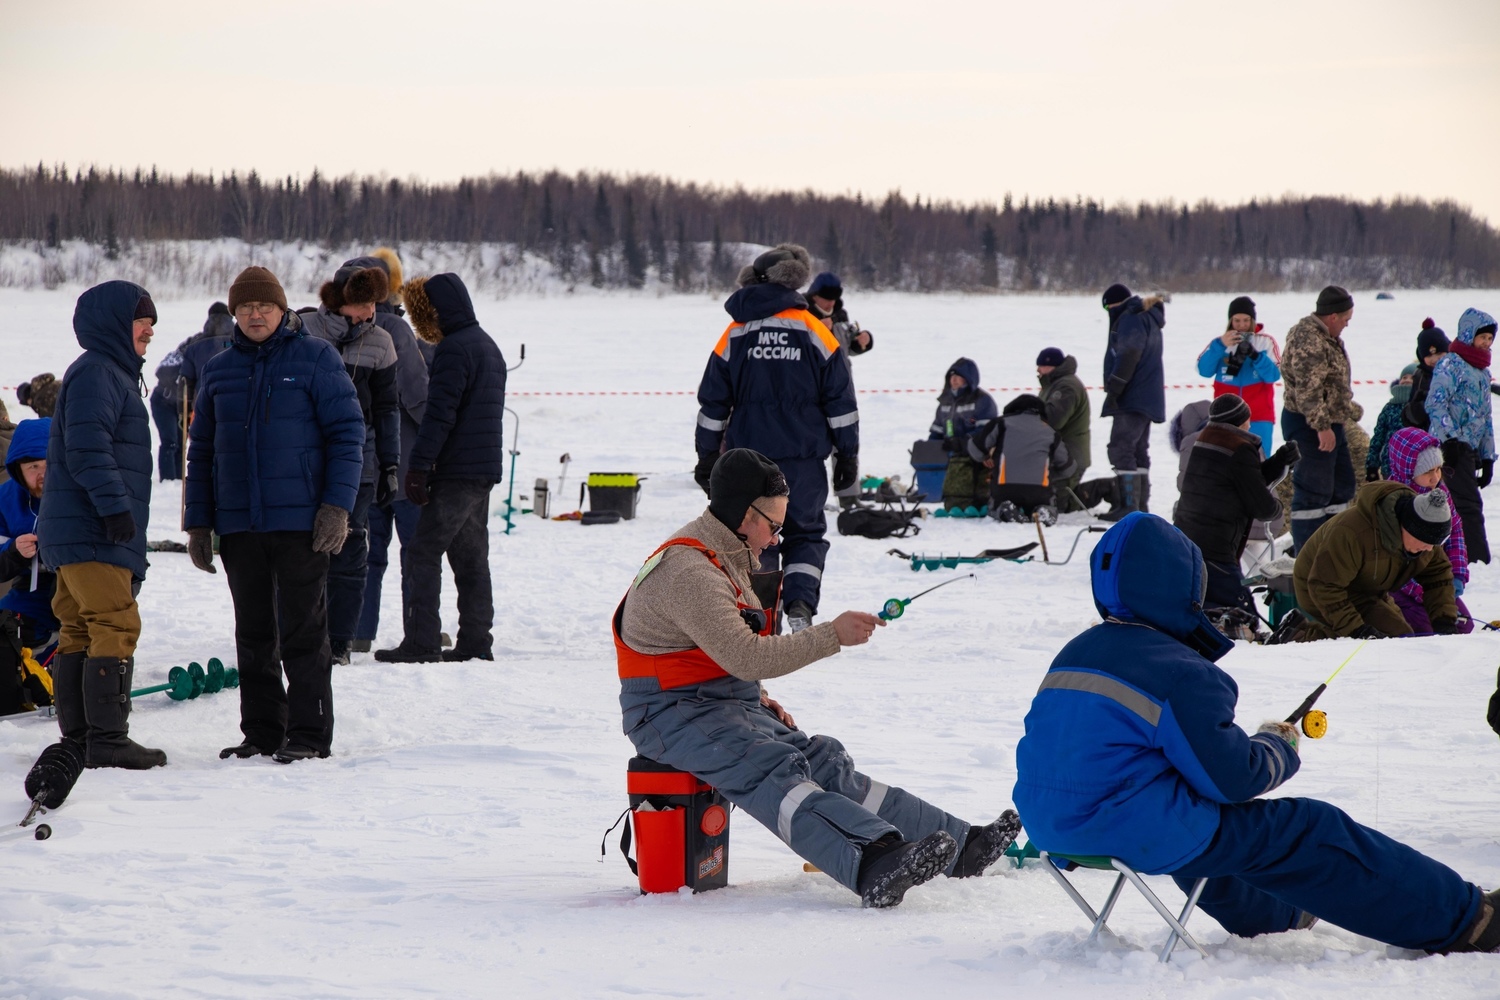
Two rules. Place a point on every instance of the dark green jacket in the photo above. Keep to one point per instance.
(1065, 407)
(1357, 555)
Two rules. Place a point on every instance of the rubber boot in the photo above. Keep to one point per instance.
(67, 695)
(1145, 489)
(106, 689)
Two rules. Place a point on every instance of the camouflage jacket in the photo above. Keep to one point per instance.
(1315, 372)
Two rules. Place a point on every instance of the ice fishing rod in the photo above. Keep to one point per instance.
(895, 607)
(1315, 721)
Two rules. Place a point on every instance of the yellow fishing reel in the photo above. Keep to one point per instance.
(1315, 724)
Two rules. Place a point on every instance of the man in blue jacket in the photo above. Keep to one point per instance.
(1134, 394)
(274, 458)
(454, 465)
(777, 383)
(1131, 751)
(92, 528)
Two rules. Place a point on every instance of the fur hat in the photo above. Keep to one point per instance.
(1332, 301)
(1051, 356)
(1426, 517)
(39, 393)
(785, 264)
(424, 316)
(392, 269)
(354, 285)
(256, 284)
(1242, 306)
(1228, 409)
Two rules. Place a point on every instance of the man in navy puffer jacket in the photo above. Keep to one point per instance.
(92, 526)
(454, 465)
(1131, 751)
(275, 453)
(1134, 394)
(777, 383)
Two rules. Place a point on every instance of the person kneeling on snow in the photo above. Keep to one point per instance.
(1027, 458)
(694, 642)
(1226, 487)
(1131, 751)
(1346, 571)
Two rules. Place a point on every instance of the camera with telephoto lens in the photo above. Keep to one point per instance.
(1242, 352)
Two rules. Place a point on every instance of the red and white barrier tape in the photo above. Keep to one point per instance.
(928, 391)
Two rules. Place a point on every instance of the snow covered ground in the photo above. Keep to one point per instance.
(450, 847)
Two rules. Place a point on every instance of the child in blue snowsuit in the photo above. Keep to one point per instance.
(19, 505)
(1131, 751)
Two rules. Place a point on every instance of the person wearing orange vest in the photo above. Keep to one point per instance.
(695, 637)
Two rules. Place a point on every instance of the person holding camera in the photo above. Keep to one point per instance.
(1243, 361)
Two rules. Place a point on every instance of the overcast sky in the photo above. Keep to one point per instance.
(967, 101)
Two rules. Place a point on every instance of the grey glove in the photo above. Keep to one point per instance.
(330, 528)
(201, 549)
(1285, 730)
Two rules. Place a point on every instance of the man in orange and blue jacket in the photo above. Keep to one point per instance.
(777, 383)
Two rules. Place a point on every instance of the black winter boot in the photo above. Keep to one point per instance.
(106, 697)
(889, 870)
(985, 844)
(1484, 933)
(67, 695)
(1127, 496)
(1145, 489)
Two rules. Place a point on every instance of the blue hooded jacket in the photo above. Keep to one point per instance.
(462, 435)
(1131, 745)
(781, 374)
(277, 432)
(1134, 380)
(99, 447)
(18, 511)
(1458, 398)
(961, 414)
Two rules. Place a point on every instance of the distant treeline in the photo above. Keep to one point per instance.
(611, 232)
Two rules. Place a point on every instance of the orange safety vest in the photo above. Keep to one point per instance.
(687, 667)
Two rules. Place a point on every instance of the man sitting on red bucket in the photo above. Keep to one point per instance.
(694, 642)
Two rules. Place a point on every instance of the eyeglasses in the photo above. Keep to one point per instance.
(258, 308)
(775, 525)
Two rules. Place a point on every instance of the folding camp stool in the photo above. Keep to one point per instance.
(1101, 863)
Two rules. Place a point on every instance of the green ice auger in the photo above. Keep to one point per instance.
(184, 684)
(896, 607)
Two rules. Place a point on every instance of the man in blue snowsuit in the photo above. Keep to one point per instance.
(693, 642)
(1135, 394)
(1131, 751)
(777, 383)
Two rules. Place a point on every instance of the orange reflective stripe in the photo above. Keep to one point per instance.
(684, 668)
(814, 326)
(722, 347)
(1000, 474)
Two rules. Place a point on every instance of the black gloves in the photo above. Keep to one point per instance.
(386, 485)
(704, 468)
(119, 528)
(1367, 632)
(845, 471)
(1445, 626)
(201, 549)
(416, 487)
(1281, 459)
(1486, 472)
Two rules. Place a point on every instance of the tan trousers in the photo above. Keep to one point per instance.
(97, 610)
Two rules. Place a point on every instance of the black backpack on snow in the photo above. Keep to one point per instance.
(883, 522)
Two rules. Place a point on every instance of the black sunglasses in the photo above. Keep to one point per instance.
(775, 525)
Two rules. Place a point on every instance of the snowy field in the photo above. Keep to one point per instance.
(450, 847)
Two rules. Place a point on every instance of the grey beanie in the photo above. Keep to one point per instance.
(1426, 517)
(1428, 458)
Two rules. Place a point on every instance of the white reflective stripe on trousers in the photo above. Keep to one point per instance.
(789, 806)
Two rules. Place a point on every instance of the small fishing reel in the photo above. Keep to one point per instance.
(1315, 724)
(894, 608)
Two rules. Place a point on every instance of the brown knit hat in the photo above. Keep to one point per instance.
(256, 284)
